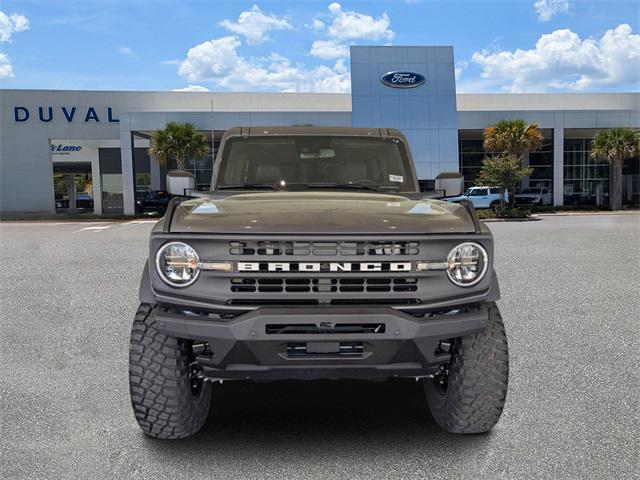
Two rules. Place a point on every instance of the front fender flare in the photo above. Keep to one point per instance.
(494, 293)
(145, 293)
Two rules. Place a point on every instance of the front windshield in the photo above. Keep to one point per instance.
(305, 162)
(531, 190)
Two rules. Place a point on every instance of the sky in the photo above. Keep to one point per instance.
(159, 45)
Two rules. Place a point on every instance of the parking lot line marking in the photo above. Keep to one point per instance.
(37, 223)
(94, 228)
(140, 222)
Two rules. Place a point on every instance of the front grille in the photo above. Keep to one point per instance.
(323, 285)
(317, 248)
(310, 328)
(297, 302)
(324, 270)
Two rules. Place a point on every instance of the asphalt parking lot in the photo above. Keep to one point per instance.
(571, 304)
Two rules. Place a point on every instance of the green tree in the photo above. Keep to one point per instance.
(515, 138)
(180, 141)
(504, 172)
(615, 145)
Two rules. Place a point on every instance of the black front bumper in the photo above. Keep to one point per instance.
(321, 342)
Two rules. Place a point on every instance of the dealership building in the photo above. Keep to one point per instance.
(64, 151)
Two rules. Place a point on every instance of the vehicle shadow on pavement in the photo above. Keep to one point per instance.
(310, 417)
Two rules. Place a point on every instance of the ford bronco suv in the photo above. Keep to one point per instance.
(315, 256)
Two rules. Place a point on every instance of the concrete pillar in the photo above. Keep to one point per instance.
(96, 181)
(126, 156)
(558, 166)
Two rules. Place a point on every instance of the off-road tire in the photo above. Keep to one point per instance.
(164, 403)
(494, 205)
(472, 399)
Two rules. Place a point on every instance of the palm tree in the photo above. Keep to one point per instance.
(513, 139)
(180, 141)
(615, 145)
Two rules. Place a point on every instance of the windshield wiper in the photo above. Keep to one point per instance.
(355, 186)
(247, 186)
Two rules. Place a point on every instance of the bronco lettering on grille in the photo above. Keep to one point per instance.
(324, 266)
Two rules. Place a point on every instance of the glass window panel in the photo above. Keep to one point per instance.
(573, 158)
(472, 160)
(593, 161)
(203, 178)
(547, 145)
(544, 158)
(472, 146)
(573, 144)
(573, 171)
(112, 201)
(583, 192)
(597, 171)
(205, 162)
(631, 166)
(470, 174)
(542, 172)
(143, 182)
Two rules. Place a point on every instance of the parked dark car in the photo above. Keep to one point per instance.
(152, 201)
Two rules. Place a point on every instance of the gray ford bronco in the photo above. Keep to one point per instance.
(316, 256)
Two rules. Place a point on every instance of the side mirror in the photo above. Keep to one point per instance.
(450, 184)
(180, 183)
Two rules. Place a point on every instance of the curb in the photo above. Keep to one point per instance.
(578, 214)
(528, 219)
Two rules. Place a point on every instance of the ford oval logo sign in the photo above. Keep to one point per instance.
(401, 79)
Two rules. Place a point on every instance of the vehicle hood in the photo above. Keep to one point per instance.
(319, 213)
(527, 195)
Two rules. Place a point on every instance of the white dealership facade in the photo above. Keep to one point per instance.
(96, 141)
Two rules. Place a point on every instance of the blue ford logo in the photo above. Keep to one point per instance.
(401, 79)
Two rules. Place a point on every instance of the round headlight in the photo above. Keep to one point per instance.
(467, 264)
(177, 264)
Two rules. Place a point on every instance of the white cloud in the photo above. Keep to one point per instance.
(211, 59)
(561, 60)
(335, 80)
(255, 24)
(347, 25)
(547, 9)
(317, 25)
(218, 61)
(192, 88)
(126, 51)
(6, 70)
(10, 24)
(328, 49)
